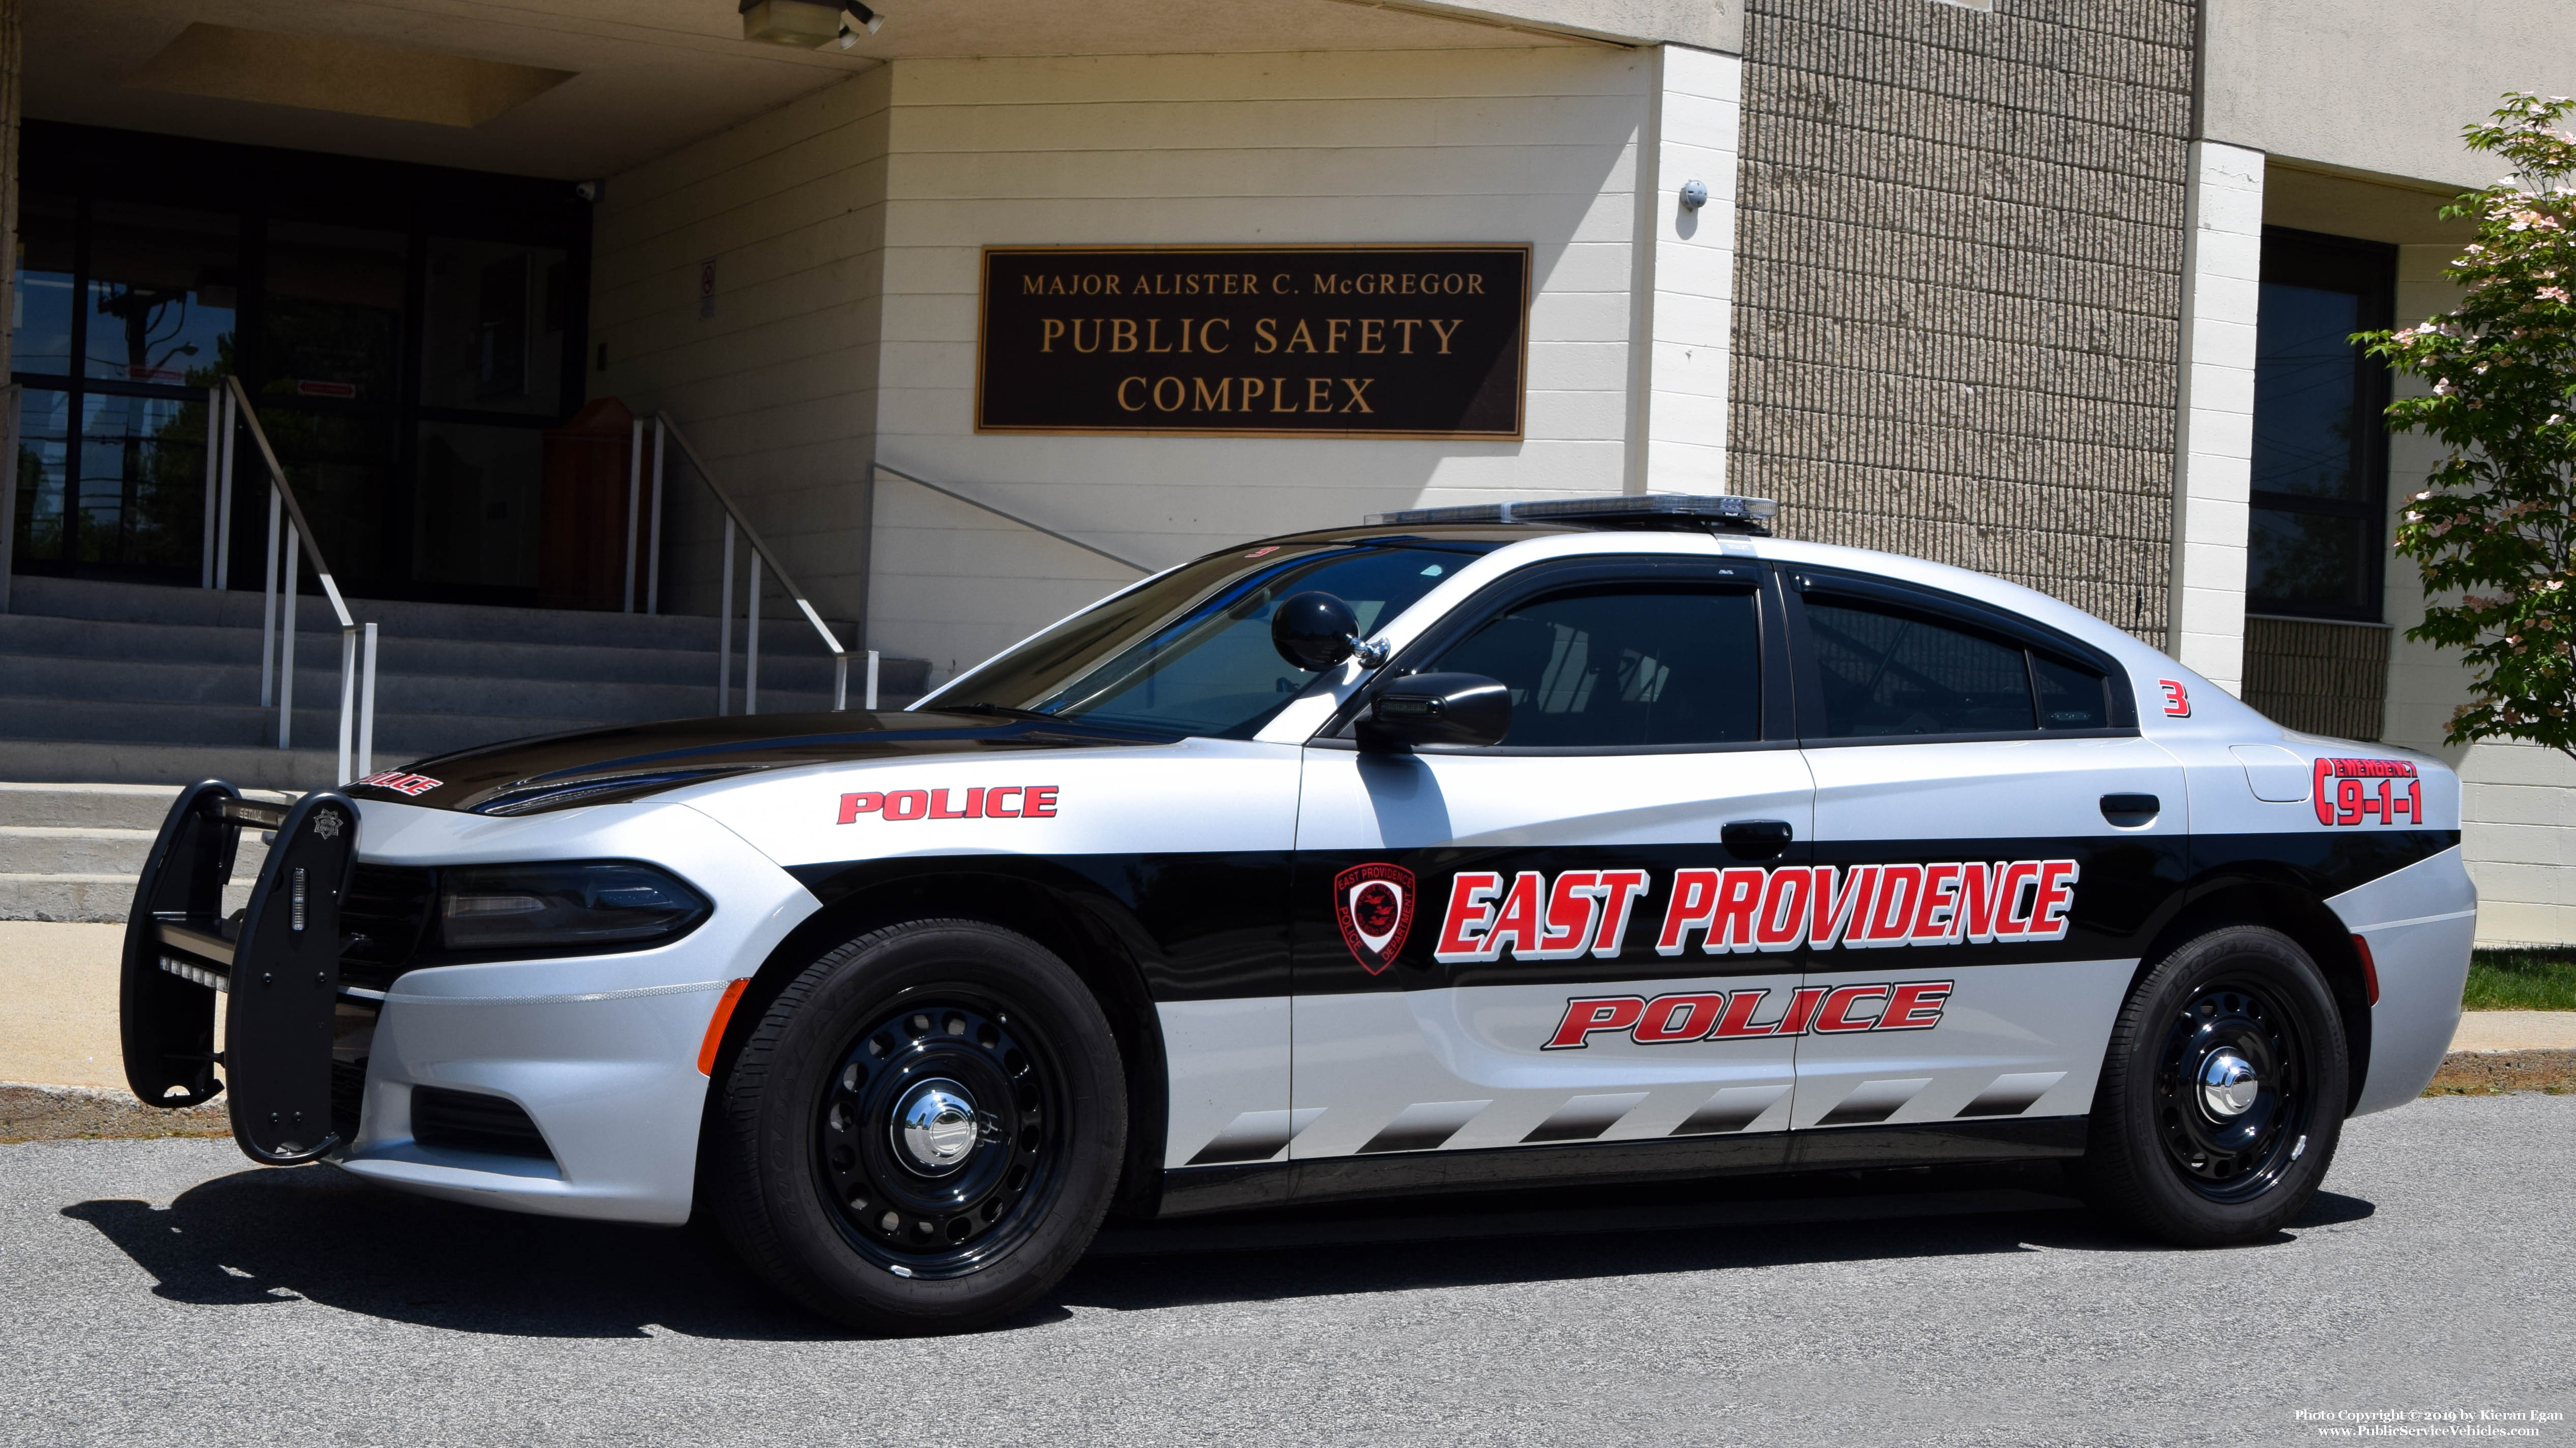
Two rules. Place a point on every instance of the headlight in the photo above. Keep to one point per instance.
(573, 905)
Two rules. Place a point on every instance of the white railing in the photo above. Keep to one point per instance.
(734, 523)
(277, 604)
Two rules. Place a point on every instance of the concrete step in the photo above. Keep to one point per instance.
(248, 726)
(81, 598)
(145, 764)
(74, 851)
(28, 639)
(85, 806)
(533, 694)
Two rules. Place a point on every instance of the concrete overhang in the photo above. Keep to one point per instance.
(627, 80)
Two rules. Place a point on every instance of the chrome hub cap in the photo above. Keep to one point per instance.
(2228, 1085)
(935, 1128)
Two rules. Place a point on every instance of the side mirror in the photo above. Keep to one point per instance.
(1465, 709)
(1314, 630)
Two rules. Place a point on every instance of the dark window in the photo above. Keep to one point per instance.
(408, 333)
(1190, 652)
(1890, 671)
(1624, 666)
(2070, 695)
(2320, 447)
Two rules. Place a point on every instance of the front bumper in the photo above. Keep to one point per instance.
(600, 1052)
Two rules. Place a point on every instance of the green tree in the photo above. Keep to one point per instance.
(2493, 534)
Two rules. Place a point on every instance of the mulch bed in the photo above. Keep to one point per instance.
(2493, 1073)
(70, 1113)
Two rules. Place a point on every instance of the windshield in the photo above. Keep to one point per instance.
(1190, 652)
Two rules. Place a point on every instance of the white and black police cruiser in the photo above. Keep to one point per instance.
(1578, 841)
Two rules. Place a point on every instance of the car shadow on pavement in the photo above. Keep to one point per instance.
(266, 1237)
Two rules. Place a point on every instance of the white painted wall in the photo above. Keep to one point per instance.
(777, 389)
(2222, 286)
(2518, 801)
(1537, 146)
(1686, 288)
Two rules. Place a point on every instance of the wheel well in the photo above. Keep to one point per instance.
(2298, 914)
(1078, 936)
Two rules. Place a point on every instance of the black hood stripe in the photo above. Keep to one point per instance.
(600, 766)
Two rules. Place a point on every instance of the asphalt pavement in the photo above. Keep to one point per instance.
(167, 1292)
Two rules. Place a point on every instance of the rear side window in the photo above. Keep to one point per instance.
(2070, 696)
(1621, 666)
(1894, 672)
(1891, 672)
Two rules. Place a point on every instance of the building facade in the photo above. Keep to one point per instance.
(2051, 291)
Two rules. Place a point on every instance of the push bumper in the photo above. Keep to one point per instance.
(594, 1057)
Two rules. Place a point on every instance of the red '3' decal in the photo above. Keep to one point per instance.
(2177, 701)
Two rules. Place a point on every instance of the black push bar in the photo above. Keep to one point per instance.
(278, 959)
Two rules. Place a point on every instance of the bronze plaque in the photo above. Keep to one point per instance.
(1306, 341)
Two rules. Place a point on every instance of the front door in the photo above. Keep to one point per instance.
(1545, 943)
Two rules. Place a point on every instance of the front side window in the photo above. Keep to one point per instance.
(1624, 666)
(1892, 672)
(2320, 449)
(1190, 652)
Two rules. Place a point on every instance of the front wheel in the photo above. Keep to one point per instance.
(2223, 1092)
(923, 1131)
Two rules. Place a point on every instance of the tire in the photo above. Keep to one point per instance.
(2182, 1151)
(923, 1131)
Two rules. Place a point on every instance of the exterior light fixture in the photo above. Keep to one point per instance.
(1694, 194)
(807, 24)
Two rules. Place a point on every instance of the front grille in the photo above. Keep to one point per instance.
(472, 1121)
(382, 922)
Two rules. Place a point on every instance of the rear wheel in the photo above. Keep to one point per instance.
(2223, 1092)
(924, 1130)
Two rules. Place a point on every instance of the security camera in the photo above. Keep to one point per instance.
(586, 190)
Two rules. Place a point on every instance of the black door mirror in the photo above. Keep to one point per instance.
(1437, 709)
(1314, 630)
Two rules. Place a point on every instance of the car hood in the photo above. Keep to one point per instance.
(604, 766)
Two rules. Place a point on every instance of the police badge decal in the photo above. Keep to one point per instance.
(1374, 906)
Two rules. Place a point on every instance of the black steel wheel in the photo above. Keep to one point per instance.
(923, 1130)
(2232, 1100)
(939, 1138)
(2222, 1094)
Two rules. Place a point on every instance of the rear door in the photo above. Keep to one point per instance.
(1488, 953)
(1992, 838)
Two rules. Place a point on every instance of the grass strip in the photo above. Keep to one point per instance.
(2521, 980)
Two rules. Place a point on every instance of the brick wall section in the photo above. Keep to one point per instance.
(2324, 678)
(1960, 249)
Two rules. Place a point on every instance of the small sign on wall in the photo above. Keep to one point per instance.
(1424, 341)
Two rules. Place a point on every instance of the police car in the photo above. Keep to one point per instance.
(1588, 841)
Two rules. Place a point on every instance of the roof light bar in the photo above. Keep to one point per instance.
(1751, 515)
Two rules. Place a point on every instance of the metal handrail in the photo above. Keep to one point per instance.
(724, 625)
(1005, 513)
(277, 609)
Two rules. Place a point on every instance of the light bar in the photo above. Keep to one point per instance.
(1752, 515)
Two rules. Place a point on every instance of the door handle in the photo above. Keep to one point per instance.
(2129, 811)
(1756, 839)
